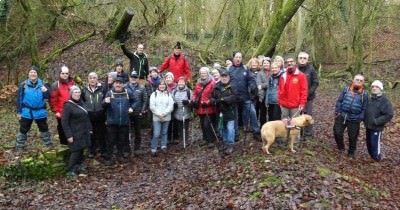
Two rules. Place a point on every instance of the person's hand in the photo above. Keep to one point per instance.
(130, 110)
(58, 115)
(185, 102)
(301, 107)
(19, 116)
(259, 87)
(70, 140)
(43, 89)
(91, 132)
(107, 100)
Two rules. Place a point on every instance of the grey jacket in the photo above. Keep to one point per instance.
(182, 111)
(262, 80)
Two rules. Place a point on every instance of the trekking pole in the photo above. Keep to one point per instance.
(212, 128)
(184, 130)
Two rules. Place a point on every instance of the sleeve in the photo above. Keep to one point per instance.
(133, 101)
(104, 104)
(125, 50)
(262, 81)
(170, 107)
(165, 64)
(145, 100)
(46, 94)
(54, 98)
(339, 101)
(314, 81)
(188, 73)
(364, 106)
(387, 113)
(231, 99)
(20, 95)
(303, 90)
(146, 66)
(65, 120)
(281, 88)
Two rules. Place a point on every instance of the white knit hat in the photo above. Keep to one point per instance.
(378, 84)
(169, 74)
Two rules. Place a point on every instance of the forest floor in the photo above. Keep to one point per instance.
(316, 177)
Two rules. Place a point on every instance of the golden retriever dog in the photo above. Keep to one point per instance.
(277, 128)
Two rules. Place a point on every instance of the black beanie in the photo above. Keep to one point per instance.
(34, 67)
(178, 45)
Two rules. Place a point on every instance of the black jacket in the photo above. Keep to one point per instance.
(92, 100)
(141, 98)
(75, 123)
(224, 96)
(379, 112)
(139, 62)
(312, 79)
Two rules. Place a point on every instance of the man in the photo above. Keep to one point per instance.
(138, 60)
(177, 64)
(224, 97)
(119, 68)
(349, 111)
(379, 112)
(139, 110)
(59, 94)
(92, 97)
(244, 82)
(31, 105)
(313, 82)
(119, 102)
(292, 92)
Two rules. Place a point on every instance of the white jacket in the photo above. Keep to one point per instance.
(161, 103)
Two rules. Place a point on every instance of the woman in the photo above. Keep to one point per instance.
(204, 108)
(169, 80)
(77, 128)
(254, 67)
(271, 96)
(280, 61)
(161, 105)
(262, 84)
(216, 75)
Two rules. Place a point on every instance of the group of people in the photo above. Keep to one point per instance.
(108, 117)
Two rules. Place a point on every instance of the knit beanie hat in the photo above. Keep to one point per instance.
(169, 74)
(34, 67)
(378, 84)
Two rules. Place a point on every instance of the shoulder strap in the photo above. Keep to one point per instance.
(79, 106)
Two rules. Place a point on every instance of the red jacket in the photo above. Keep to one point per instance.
(59, 93)
(292, 90)
(205, 97)
(179, 67)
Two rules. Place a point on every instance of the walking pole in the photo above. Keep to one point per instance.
(184, 130)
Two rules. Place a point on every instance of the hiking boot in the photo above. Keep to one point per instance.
(108, 163)
(257, 137)
(351, 155)
(122, 159)
(138, 152)
(210, 145)
(229, 149)
(71, 174)
(81, 169)
(164, 150)
(91, 155)
(153, 153)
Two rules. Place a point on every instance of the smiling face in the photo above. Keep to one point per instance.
(169, 79)
(140, 49)
(92, 79)
(76, 95)
(274, 68)
(162, 86)
(358, 80)
(32, 75)
(215, 74)
(118, 85)
(203, 73)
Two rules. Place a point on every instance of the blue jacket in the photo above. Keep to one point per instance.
(352, 104)
(272, 89)
(31, 102)
(117, 110)
(244, 82)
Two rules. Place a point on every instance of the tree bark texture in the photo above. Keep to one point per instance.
(122, 27)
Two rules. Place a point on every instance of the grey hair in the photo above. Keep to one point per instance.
(74, 88)
(93, 74)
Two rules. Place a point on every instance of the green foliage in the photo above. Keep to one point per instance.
(37, 167)
(270, 181)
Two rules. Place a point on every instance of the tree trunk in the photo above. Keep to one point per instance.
(277, 24)
(122, 27)
(31, 32)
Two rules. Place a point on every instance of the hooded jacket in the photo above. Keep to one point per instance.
(379, 112)
(292, 90)
(31, 102)
(178, 66)
(161, 102)
(312, 80)
(59, 94)
(139, 62)
(244, 82)
(92, 100)
(118, 108)
(352, 104)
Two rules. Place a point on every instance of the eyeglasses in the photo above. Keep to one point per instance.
(359, 80)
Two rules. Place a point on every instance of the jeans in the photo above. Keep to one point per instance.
(228, 132)
(249, 116)
(160, 131)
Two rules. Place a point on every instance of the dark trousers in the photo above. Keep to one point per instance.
(274, 112)
(374, 143)
(117, 135)
(25, 125)
(207, 123)
(173, 130)
(263, 113)
(179, 129)
(75, 159)
(61, 134)
(98, 137)
(136, 130)
(308, 130)
(353, 130)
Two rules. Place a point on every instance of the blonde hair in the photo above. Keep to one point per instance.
(251, 61)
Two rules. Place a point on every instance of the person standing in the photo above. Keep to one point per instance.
(92, 98)
(177, 64)
(119, 68)
(59, 94)
(350, 111)
(271, 96)
(379, 112)
(224, 97)
(77, 128)
(292, 92)
(139, 111)
(262, 86)
(161, 105)
(31, 106)
(313, 82)
(138, 61)
(244, 82)
(205, 109)
(118, 102)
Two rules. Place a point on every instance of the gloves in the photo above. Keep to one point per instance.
(175, 105)
(195, 104)
(204, 104)
(301, 107)
(185, 102)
